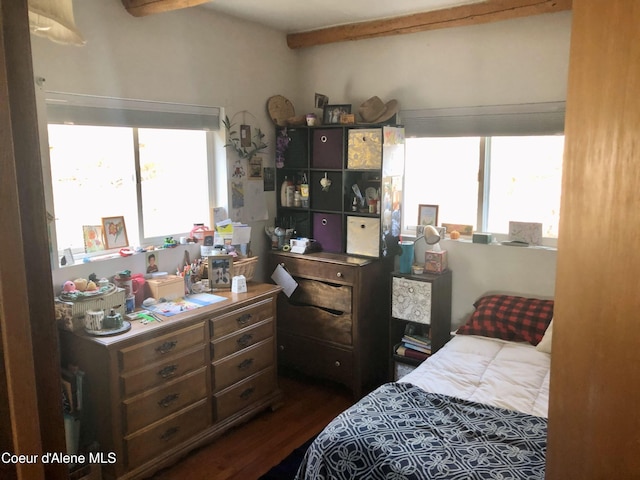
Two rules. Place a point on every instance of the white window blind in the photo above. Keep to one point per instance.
(76, 109)
(545, 118)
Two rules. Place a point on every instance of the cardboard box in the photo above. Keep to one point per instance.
(169, 287)
(435, 262)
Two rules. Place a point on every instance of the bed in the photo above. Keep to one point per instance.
(476, 409)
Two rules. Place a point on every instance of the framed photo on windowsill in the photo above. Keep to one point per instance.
(220, 271)
(427, 215)
(115, 232)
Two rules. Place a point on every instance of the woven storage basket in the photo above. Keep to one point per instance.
(246, 267)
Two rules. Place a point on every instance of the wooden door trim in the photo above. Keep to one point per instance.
(29, 337)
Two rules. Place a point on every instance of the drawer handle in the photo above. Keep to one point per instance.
(168, 371)
(324, 221)
(244, 340)
(282, 348)
(244, 319)
(170, 432)
(247, 393)
(363, 226)
(323, 139)
(245, 364)
(337, 364)
(166, 347)
(339, 274)
(168, 400)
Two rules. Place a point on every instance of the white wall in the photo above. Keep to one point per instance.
(516, 61)
(199, 57)
(481, 269)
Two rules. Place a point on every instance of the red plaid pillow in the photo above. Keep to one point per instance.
(509, 318)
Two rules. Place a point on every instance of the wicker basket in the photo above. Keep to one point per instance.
(246, 267)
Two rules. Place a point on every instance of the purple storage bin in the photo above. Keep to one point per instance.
(327, 231)
(328, 148)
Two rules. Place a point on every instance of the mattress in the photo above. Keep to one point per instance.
(494, 372)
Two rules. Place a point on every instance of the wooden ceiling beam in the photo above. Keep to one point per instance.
(140, 8)
(473, 14)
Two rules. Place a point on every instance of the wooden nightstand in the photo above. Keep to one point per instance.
(420, 304)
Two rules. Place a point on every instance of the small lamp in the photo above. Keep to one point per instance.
(431, 237)
(53, 19)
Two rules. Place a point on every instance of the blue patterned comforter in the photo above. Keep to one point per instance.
(402, 432)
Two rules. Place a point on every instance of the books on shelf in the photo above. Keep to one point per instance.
(416, 342)
(404, 351)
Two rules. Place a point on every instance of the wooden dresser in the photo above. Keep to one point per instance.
(334, 326)
(158, 391)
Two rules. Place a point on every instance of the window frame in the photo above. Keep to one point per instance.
(484, 188)
(74, 109)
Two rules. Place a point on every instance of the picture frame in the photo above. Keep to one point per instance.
(331, 113)
(427, 215)
(463, 229)
(320, 100)
(93, 236)
(152, 262)
(115, 232)
(220, 271)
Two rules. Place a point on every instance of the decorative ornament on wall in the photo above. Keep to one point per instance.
(241, 141)
(325, 183)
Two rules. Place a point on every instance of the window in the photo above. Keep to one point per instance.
(443, 172)
(148, 162)
(522, 180)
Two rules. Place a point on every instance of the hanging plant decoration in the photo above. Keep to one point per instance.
(282, 143)
(236, 143)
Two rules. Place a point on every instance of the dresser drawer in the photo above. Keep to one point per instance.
(155, 404)
(240, 319)
(243, 394)
(311, 321)
(241, 339)
(161, 348)
(163, 436)
(161, 373)
(315, 358)
(240, 365)
(338, 274)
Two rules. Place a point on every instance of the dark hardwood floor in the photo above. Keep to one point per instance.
(248, 451)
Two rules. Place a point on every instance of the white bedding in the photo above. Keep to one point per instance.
(490, 371)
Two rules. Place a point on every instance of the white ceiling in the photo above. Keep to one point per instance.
(292, 16)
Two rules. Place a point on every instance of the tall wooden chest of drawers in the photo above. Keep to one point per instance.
(162, 389)
(334, 326)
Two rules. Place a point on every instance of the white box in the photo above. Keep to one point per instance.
(363, 236)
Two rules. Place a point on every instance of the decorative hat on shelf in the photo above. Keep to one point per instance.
(280, 110)
(374, 110)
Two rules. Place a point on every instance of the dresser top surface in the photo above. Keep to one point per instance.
(329, 257)
(255, 293)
